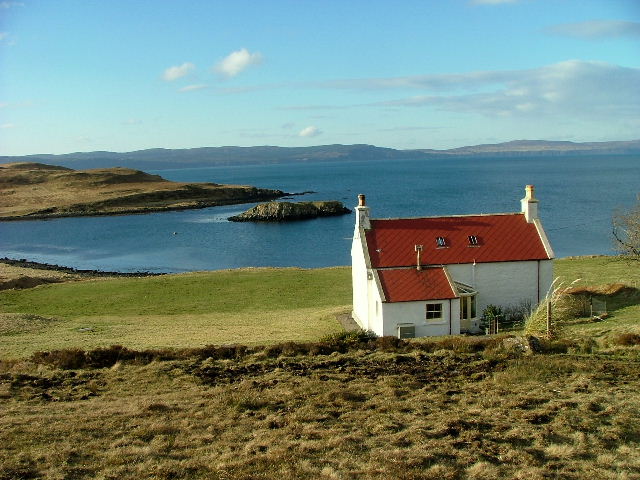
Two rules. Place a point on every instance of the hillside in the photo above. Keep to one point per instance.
(35, 190)
(159, 158)
(343, 406)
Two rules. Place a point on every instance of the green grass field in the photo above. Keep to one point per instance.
(247, 306)
(597, 270)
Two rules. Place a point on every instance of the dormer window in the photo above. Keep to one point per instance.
(473, 241)
(441, 242)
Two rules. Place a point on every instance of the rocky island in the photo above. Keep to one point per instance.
(286, 211)
(36, 191)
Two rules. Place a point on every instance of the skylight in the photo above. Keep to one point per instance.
(441, 241)
(473, 240)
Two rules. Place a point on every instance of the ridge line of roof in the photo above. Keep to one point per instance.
(443, 265)
(449, 216)
(408, 267)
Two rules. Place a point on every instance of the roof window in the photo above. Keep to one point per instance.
(441, 242)
(473, 240)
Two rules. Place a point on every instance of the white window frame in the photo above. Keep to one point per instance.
(434, 320)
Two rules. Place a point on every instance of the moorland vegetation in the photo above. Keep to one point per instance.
(328, 404)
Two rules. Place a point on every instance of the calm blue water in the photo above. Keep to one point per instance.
(577, 197)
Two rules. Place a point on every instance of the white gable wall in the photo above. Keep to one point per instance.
(360, 284)
(505, 283)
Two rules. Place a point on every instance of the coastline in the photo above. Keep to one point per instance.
(37, 191)
(24, 263)
(144, 209)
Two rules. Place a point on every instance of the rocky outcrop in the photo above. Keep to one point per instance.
(287, 211)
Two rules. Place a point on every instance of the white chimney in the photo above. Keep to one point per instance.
(362, 215)
(529, 204)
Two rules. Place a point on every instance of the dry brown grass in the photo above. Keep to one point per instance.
(362, 414)
(37, 190)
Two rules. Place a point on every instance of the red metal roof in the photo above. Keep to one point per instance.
(411, 284)
(500, 238)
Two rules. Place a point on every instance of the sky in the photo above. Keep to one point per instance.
(123, 75)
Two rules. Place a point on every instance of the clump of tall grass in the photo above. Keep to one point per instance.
(627, 339)
(548, 318)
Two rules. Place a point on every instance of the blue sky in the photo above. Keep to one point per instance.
(85, 75)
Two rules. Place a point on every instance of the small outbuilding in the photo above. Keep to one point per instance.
(416, 277)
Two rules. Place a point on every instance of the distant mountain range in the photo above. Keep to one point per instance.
(160, 158)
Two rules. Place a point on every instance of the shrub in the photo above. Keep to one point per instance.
(564, 307)
(352, 337)
(627, 339)
(489, 314)
(515, 315)
(219, 352)
(69, 358)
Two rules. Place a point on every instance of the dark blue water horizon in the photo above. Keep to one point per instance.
(578, 196)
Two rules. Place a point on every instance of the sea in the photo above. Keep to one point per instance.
(578, 196)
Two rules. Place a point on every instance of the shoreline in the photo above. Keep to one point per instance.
(150, 209)
(24, 263)
(137, 210)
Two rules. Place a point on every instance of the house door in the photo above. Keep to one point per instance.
(467, 312)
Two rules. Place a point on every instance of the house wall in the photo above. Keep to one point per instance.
(505, 283)
(359, 284)
(414, 312)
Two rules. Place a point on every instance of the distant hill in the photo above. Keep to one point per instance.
(160, 158)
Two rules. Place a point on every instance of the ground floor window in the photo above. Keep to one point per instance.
(434, 311)
(467, 307)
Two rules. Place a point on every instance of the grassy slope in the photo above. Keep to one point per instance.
(237, 306)
(240, 306)
(624, 309)
(359, 415)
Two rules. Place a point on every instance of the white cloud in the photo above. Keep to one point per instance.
(596, 29)
(3, 35)
(132, 121)
(311, 131)
(573, 87)
(11, 4)
(178, 71)
(7, 125)
(237, 61)
(492, 2)
(192, 88)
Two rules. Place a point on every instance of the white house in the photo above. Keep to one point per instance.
(435, 275)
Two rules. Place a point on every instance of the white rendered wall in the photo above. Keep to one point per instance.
(359, 283)
(376, 309)
(414, 312)
(505, 283)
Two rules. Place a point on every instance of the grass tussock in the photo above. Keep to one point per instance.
(627, 339)
(550, 316)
